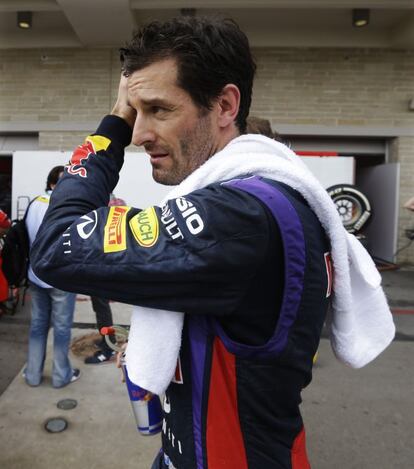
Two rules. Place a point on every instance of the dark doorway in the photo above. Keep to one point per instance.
(5, 183)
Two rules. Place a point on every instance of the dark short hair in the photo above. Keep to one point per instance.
(53, 177)
(210, 53)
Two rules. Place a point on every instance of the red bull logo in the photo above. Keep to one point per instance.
(92, 145)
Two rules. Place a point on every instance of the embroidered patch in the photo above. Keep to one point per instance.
(87, 224)
(92, 144)
(145, 227)
(115, 230)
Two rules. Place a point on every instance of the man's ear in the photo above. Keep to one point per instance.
(228, 105)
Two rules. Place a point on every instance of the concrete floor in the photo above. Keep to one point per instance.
(361, 419)
(355, 419)
(101, 431)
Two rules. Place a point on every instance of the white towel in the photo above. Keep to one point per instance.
(360, 321)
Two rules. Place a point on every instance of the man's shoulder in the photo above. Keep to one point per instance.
(254, 190)
(242, 195)
(225, 191)
(38, 206)
(43, 199)
(244, 185)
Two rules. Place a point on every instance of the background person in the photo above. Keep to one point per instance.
(50, 307)
(259, 125)
(5, 223)
(4, 286)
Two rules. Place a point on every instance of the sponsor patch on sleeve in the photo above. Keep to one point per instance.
(115, 229)
(145, 227)
(87, 224)
(193, 220)
(92, 144)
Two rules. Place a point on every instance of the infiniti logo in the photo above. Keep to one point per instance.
(88, 225)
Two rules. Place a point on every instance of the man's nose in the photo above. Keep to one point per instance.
(142, 132)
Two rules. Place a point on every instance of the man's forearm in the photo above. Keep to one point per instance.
(88, 181)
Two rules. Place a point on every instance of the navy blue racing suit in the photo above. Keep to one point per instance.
(246, 260)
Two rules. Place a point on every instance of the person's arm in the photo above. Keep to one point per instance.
(197, 253)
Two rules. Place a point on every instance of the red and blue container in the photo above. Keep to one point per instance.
(145, 405)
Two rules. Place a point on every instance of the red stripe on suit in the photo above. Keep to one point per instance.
(225, 446)
(299, 457)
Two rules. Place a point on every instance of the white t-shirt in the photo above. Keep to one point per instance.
(34, 218)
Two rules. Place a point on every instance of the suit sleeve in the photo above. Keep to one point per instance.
(195, 254)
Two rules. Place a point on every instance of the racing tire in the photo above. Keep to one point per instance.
(352, 205)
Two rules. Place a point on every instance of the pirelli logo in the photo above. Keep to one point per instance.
(145, 227)
(115, 230)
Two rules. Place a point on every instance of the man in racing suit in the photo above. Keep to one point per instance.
(249, 274)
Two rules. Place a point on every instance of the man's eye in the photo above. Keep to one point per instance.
(158, 109)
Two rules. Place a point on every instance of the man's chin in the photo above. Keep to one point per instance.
(164, 177)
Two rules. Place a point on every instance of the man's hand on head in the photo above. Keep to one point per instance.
(121, 108)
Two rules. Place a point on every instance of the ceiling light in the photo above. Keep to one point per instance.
(360, 17)
(24, 19)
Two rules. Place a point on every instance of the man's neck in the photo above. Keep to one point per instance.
(226, 137)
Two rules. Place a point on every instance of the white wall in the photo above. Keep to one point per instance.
(331, 170)
(136, 186)
(29, 174)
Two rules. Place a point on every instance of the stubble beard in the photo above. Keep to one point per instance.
(196, 147)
